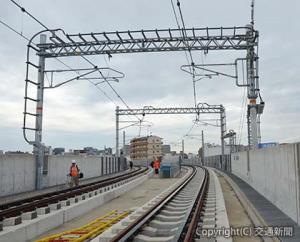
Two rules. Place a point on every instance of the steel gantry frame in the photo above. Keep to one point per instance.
(221, 38)
(202, 108)
(207, 39)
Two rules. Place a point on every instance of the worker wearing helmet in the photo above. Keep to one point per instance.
(156, 166)
(74, 174)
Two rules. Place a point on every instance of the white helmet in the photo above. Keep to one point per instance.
(73, 161)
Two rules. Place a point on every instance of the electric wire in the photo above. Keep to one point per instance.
(44, 26)
(14, 30)
(184, 32)
(184, 36)
(105, 79)
(69, 67)
(29, 14)
(178, 26)
(191, 63)
(100, 89)
(86, 59)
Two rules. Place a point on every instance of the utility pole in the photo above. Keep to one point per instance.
(123, 140)
(38, 147)
(182, 144)
(117, 131)
(223, 129)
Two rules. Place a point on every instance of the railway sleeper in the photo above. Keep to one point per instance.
(12, 221)
(150, 231)
(172, 213)
(55, 206)
(29, 215)
(43, 210)
(144, 238)
(164, 225)
(165, 218)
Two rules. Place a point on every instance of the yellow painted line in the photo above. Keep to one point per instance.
(89, 230)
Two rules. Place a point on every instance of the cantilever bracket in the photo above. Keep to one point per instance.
(212, 72)
(83, 76)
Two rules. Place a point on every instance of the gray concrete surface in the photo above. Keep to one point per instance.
(270, 213)
(23, 195)
(17, 172)
(274, 173)
(237, 215)
(30, 229)
(132, 199)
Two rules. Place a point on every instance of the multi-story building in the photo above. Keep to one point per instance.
(146, 148)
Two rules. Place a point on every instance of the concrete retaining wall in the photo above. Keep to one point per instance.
(17, 172)
(274, 173)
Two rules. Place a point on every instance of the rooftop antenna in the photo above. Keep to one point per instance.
(252, 12)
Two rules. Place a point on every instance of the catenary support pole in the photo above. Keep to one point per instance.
(117, 131)
(123, 141)
(252, 93)
(38, 147)
(223, 129)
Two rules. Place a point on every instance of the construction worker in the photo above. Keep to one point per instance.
(74, 174)
(156, 166)
(130, 165)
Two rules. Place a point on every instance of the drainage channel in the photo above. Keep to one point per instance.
(170, 217)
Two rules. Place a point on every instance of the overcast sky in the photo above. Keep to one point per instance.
(78, 114)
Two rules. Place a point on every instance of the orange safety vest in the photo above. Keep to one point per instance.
(74, 170)
(156, 165)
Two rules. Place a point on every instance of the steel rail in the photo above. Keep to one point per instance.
(131, 230)
(192, 224)
(30, 204)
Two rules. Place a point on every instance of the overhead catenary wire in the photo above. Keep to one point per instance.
(86, 59)
(114, 90)
(14, 30)
(63, 63)
(184, 32)
(29, 14)
(184, 36)
(178, 26)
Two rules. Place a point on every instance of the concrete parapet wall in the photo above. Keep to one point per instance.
(274, 173)
(30, 229)
(91, 166)
(17, 172)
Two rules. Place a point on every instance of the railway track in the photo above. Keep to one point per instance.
(174, 217)
(30, 205)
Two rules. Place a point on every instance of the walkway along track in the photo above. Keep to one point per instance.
(17, 208)
(174, 217)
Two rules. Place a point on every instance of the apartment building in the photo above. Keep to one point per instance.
(145, 148)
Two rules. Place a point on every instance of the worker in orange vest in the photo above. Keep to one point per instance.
(156, 166)
(74, 173)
